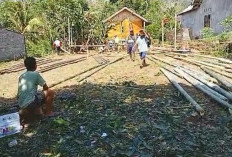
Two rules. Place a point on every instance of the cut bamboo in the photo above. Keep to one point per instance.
(199, 63)
(207, 77)
(220, 78)
(197, 107)
(160, 64)
(204, 89)
(220, 59)
(157, 58)
(220, 72)
(210, 84)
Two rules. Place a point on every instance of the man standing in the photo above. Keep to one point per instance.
(131, 39)
(57, 46)
(142, 44)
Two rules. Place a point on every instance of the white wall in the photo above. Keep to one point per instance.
(218, 9)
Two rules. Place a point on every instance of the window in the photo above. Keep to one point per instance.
(207, 20)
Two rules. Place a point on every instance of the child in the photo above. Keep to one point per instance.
(130, 43)
(141, 42)
(28, 96)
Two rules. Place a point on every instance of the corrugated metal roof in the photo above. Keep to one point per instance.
(194, 5)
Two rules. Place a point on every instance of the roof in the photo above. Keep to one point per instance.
(194, 6)
(127, 9)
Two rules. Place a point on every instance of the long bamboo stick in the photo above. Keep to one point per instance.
(210, 84)
(160, 64)
(207, 77)
(199, 63)
(220, 78)
(220, 72)
(204, 89)
(197, 107)
(220, 59)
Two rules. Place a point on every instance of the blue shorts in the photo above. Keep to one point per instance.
(143, 55)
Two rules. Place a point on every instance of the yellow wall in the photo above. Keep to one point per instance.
(116, 30)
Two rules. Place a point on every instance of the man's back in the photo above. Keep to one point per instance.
(142, 44)
(27, 87)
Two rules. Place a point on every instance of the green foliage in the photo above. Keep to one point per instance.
(207, 32)
(41, 21)
(39, 48)
(227, 23)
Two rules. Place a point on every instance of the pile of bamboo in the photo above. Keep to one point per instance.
(212, 77)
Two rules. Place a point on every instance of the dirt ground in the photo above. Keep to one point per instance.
(139, 109)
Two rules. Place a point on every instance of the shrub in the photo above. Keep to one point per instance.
(39, 49)
(207, 32)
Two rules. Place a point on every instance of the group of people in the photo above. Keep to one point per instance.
(30, 99)
(140, 42)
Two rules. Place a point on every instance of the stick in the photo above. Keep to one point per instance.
(172, 71)
(197, 107)
(204, 89)
(220, 72)
(220, 59)
(210, 84)
(73, 76)
(100, 69)
(199, 63)
(220, 78)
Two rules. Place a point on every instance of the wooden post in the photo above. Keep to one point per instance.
(175, 31)
(162, 33)
(69, 33)
(144, 25)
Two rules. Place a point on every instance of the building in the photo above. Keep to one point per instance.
(123, 21)
(12, 45)
(205, 13)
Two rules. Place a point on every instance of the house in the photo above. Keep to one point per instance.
(12, 45)
(205, 13)
(123, 21)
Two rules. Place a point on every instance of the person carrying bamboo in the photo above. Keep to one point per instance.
(143, 46)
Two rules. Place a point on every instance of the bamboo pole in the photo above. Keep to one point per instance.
(73, 76)
(220, 78)
(198, 85)
(157, 58)
(220, 59)
(210, 84)
(199, 73)
(220, 72)
(175, 31)
(197, 107)
(199, 63)
(162, 33)
(160, 64)
(100, 69)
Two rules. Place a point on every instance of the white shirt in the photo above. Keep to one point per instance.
(57, 43)
(142, 44)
